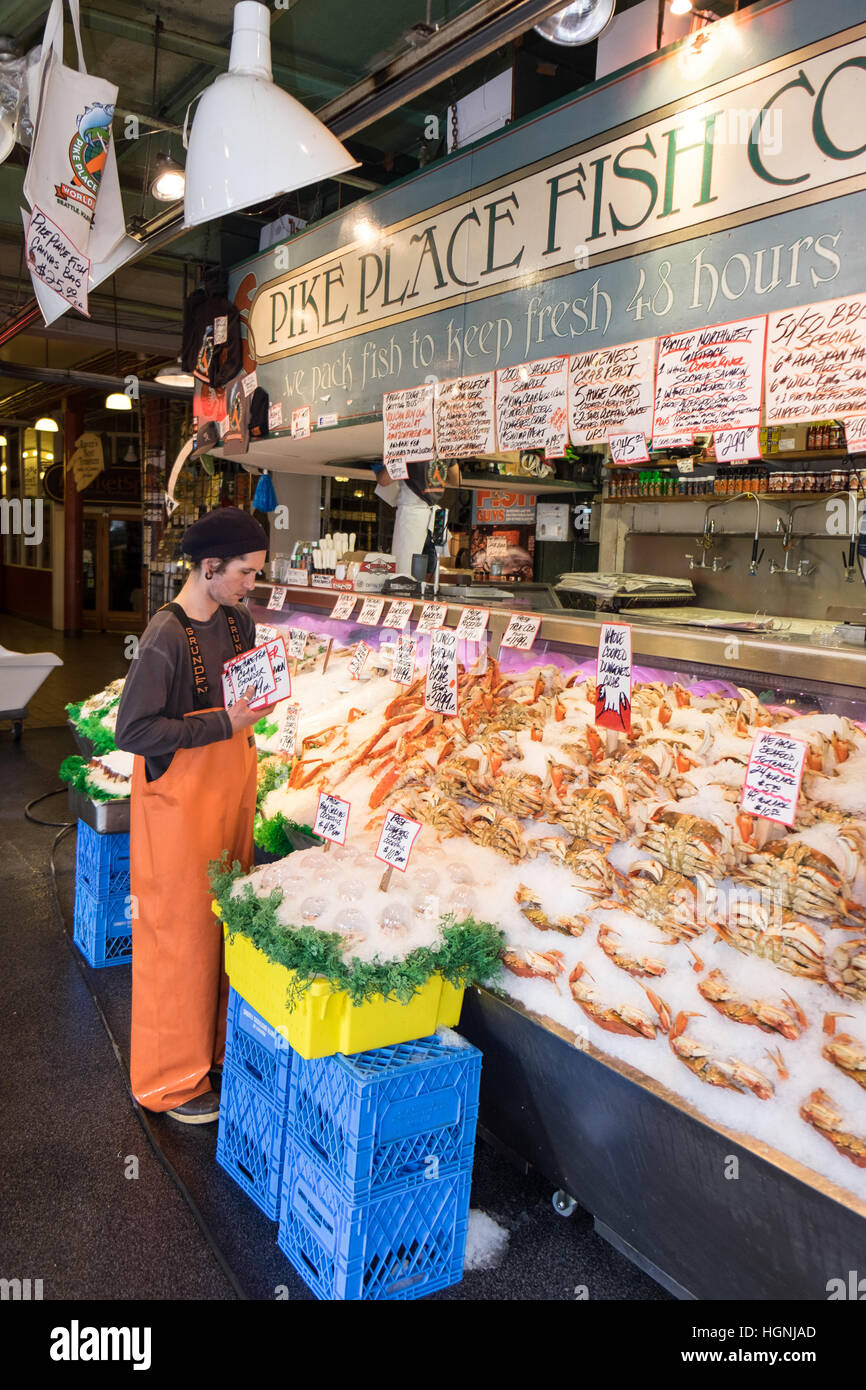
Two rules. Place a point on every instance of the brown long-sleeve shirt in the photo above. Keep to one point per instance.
(159, 689)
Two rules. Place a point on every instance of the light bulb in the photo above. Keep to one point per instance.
(118, 401)
(681, 6)
(46, 425)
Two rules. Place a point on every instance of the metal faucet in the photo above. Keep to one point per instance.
(706, 542)
(804, 567)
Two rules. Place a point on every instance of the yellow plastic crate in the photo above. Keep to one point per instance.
(326, 1021)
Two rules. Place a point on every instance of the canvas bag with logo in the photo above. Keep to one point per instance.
(72, 173)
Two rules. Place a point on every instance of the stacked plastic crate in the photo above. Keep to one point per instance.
(102, 925)
(378, 1168)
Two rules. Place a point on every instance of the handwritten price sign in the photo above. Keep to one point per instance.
(735, 446)
(773, 777)
(265, 668)
(344, 607)
(396, 470)
(297, 642)
(628, 448)
(358, 660)
(301, 422)
(432, 616)
(395, 843)
(277, 598)
(440, 691)
(399, 613)
(54, 260)
(613, 678)
(371, 611)
(472, 624)
(521, 632)
(855, 435)
(332, 818)
(289, 731)
(264, 634)
(403, 665)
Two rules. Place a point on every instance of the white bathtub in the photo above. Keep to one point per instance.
(21, 674)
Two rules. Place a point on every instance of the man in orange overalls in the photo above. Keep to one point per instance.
(193, 795)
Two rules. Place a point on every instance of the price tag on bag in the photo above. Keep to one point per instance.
(773, 777)
(332, 818)
(398, 836)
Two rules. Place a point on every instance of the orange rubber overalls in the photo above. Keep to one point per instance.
(204, 803)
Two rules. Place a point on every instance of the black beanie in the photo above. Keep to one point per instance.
(223, 534)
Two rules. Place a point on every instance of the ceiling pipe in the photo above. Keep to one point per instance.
(96, 381)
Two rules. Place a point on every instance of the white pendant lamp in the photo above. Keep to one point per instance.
(250, 141)
(117, 400)
(174, 375)
(577, 23)
(46, 425)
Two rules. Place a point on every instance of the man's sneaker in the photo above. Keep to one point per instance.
(203, 1110)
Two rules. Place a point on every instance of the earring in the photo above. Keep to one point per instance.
(208, 575)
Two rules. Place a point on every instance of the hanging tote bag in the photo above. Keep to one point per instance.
(72, 173)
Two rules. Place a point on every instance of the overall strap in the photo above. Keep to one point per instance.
(233, 629)
(198, 672)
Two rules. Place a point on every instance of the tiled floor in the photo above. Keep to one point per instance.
(89, 663)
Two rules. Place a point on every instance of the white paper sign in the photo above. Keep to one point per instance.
(710, 378)
(278, 597)
(855, 435)
(299, 579)
(252, 668)
(464, 417)
(815, 358)
(297, 642)
(628, 448)
(325, 422)
(613, 677)
(54, 260)
(432, 616)
(223, 426)
(672, 441)
(396, 470)
(358, 660)
(264, 634)
(344, 607)
(403, 666)
(396, 840)
(736, 446)
(532, 406)
(275, 415)
(220, 329)
(249, 383)
(521, 631)
(332, 818)
(408, 421)
(773, 777)
(686, 465)
(399, 613)
(280, 668)
(371, 611)
(472, 624)
(610, 391)
(301, 422)
(321, 581)
(440, 690)
(289, 730)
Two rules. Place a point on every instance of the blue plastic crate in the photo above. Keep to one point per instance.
(251, 1139)
(102, 927)
(388, 1119)
(398, 1247)
(255, 1048)
(102, 862)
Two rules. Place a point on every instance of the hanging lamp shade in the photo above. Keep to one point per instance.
(250, 141)
(577, 23)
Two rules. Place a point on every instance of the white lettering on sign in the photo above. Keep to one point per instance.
(628, 448)
(358, 660)
(532, 406)
(332, 818)
(54, 260)
(464, 417)
(710, 378)
(773, 777)
(289, 730)
(613, 678)
(301, 422)
(275, 415)
(815, 361)
(297, 642)
(254, 669)
(403, 665)
(521, 632)
(440, 690)
(399, 613)
(264, 634)
(344, 607)
(736, 446)
(371, 611)
(432, 616)
(220, 329)
(610, 391)
(408, 421)
(278, 596)
(396, 840)
(250, 383)
(472, 624)
(855, 435)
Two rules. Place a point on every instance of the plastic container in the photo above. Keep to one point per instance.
(326, 1021)
(101, 861)
(251, 1140)
(256, 1050)
(389, 1119)
(102, 927)
(399, 1247)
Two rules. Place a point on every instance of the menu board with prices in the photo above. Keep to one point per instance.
(710, 378)
(521, 632)
(332, 818)
(613, 678)
(403, 666)
(440, 690)
(399, 834)
(432, 616)
(344, 607)
(358, 660)
(278, 597)
(289, 730)
(473, 624)
(408, 421)
(399, 613)
(816, 361)
(773, 777)
(371, 611)
(465, 417)
(736, 446)
(532, 406)
(628, 448)
(610, 391)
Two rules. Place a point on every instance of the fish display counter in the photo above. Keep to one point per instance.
(676, 1036)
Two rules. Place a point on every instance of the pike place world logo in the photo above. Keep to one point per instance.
(88, 151)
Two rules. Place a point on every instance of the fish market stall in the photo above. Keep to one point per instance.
(677, 1035)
